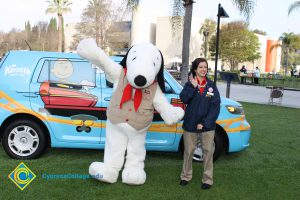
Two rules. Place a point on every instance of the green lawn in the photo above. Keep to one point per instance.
(268, 169)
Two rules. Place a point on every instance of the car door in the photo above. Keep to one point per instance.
(65, 93)
(160, 134)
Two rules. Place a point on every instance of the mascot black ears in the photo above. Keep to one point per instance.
(123, 62)
(160, 76)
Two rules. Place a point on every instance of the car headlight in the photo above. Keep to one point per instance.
(238, 110)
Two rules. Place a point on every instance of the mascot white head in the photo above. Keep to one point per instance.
(138, 90)
(144, 62)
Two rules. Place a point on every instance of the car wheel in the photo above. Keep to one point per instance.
(24, 139)
(218, 142)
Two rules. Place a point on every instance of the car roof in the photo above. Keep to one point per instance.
(42, 54)
(39, 54)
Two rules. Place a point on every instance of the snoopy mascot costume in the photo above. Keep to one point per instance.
(138, 85)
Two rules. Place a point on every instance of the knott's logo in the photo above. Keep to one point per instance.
(13, 70)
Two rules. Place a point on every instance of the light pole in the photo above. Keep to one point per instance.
(221, 13)
(205, 33)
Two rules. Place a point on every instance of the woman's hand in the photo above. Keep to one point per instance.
(199, 126)
(193, 81)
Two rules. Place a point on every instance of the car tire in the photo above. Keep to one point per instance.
(219, 144)
(24, 139)
(218, 141)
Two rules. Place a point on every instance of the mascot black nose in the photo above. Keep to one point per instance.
(140, 80)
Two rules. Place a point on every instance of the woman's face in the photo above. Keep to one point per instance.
(201, 70)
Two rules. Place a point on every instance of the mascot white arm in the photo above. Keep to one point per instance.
(169, 113)
(89, 50)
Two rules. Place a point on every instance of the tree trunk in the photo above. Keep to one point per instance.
(287, 62)
(186, 42)
(60, 34)
(63, 34)
(132, 28)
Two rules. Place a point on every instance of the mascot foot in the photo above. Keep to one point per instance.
(133, 176)
(101, 172)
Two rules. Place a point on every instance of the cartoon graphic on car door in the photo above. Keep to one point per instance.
(66, 91)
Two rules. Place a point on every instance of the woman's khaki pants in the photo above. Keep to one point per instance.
(208, 148)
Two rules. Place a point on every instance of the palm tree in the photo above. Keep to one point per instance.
(288, 45)
(294, 6)
(244, 6)
(60, 7)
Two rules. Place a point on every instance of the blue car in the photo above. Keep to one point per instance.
(60, 99)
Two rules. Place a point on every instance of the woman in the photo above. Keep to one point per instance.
(203, 107)
(243, 73)
(256, 75)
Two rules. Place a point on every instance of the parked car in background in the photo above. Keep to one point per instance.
(60, 100)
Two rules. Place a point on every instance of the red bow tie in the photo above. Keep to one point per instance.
(127, 96)
(128, 93)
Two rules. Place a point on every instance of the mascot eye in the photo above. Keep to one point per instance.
(133, 58)
(154, 64)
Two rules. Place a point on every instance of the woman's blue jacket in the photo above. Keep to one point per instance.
(201, 108)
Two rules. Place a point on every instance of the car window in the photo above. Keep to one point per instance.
(65, 71)
(108, 83)
(168, 88)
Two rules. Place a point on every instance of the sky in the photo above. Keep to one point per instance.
(269, 15)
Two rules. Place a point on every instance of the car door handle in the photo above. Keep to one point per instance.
(106, 98)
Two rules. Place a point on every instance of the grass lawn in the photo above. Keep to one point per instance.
(268, 169)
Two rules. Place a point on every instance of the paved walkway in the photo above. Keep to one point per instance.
(259, 94)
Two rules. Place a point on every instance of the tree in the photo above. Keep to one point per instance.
(244, 6)
(95, 22)
(27, 29)
(38, 36)
(52, 32)
(41, 36)
(259, 32)
(13, 40)
(237, 44)
(207, 30)
(293, 7)
(294, 59)
(290, 43)
(60, 7)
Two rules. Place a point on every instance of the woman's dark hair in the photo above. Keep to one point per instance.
(195, 64)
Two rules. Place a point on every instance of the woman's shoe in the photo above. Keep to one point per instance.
(205, 186)
(183, 183)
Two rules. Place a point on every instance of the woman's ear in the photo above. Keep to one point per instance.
(160, 75)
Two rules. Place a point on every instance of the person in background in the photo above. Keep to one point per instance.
(202, 98)
(243, 72)
(292, 72)
(222, 68)
(256, 75)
